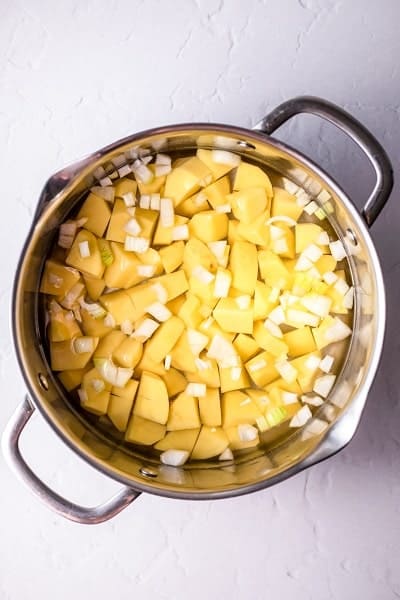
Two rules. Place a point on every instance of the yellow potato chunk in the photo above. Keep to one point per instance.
(185, 179)
(209, 226)
(246, 346)
(284, 204)
(125, 186)
(189, 311)
(284, 246)
(143, 431)
(176, 304)
(72, 378)
(216, 192)
(152, 400)
(119, 218)
(183, 439)
(148, 365)
(197, 253)
(90, 265)
(267, 341)
(319, 332)
(57, 279)
(306, 374)
(128, 353)
(217, 169)
(244, 267)
(326, 263)
(95, 402)
(248, 175)
(97, 212)
(172, 256)
(210, 328)
(183, 413)
(95, 287)
(306, 234)
(123, 272)
(231, 318)
(63, 356)
(238, 408)
(233, 378)
(182, 356)
(212, 441)
(235, 443)
(248, 204)
(109, 343)
(256, 232)
(273, 270)
(120, 405)
(154, 186)
(262, 301)
(300, 341)
(210, 408)
(175, 382)
(261, 368)
(192, 205)
(164, 339)
(209, 376)
(93, 327)
(62, 326)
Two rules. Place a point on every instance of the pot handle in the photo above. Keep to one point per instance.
(65, 508)
(354, 129)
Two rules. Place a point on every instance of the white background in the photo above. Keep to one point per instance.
(77, 75)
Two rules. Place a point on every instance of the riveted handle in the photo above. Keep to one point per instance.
(354, 129)
(62, 506)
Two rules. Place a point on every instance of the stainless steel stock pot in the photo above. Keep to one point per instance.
(254, 470)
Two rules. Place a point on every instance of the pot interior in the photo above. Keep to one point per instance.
(279, 455)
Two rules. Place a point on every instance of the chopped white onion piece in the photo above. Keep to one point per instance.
(132, 227)
(218, 248)
(223, 208)
(119, 160)
(225, 158)
(84, 249)
(323, 385)
(167, 362)
(329, 277)
(273, 328)
(159, 311)
(197, 341)
(162, 159)
(302, 317)
(161, 170)
(146, 270)
(55, 280)
(312, 252)
(312, 400)
(99, 172)
(174, 458)
(105, 181)
(262, 423)
(202, 274)
(124, 170)
(323, 239)
(302, 198)
(247, 433)
(311, 207)
(277, 315)
(146, 159)
(180, 232)
(117, 376)
(258, 365)
(303, 263)
(143, 152)
(280, 246)
(129, 199)
(274, 294)
(348, 298)
(108, 193)
(317, 304)
(289, 186)
(155, 202)
(98, 385)
(222, 284)
(326, 363)
(289, 397)
(243, 302)
(136, 244)
(337, 250)
(83, 397)
(312, 363)
(131, 210)
(341, 286)
(286, 370)
(301, 417)
(236, 373)
(196, 389)
(160, 292)
(226, 455)
(201, 364)
(338, 331)
(221, 349)
(167, 215)
(127, 327)
(276, 233)
(145, 330)
(281, 219)
(143, 173)
(95, 309)
(109, 320)
(144, 201)
(314, 427)
(83, 344)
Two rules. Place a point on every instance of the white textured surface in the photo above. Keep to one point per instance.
(77, 75)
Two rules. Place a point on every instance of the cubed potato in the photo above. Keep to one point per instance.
(268, 342)
(260, 398)
(120, 404)
(306, 374)
(63, 356)
(184, 439)
(154, 186)
(300, 341)
(182, 355)
(123, 272)
(203, 291)
(273, 270)
(306, 234)
(165, 338)
(284, 246)
(148, 365)
(235, 443)
(95, 287)
(233, 378)
(210, 328)
(186, 179)
(176, 304)
(244, 267)
(152, 257)
(125, 186)
(197, 253)
(284, 385)
(248, 175)
(189, 311)
(216, 192)
(128, 353)
(210, 408)
(63, 325)
(231, 318)
(174, 284)
(209, 226)
(183, 413)
(57, 279)
(284, 204)
(212, 441)
(97, 211)
(249, 203)
(93, 327)
(263, 304)
(119, 218)
(193, 205)
(246, 346)
(152, 400)
(319, 333)
(143, 431)
(147, 220)
(209, 375)
(256, 232)
(172, 256)
(109, 343)
(217, 169)
(72, 378)
(261, 368)
(89, 265)
(175, 382)
(233, 232)
(95, 401)
(238, 408)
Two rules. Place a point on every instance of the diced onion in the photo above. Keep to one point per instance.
(281, 219)
(127, 327)
(160, 292)
(226, 455)
(338, 331)
(280, 246)
(273, 328)
(83, 344)
(167, 362)
(155, 202)
(312, 400)
(201, 364)
(311, 207)
(341, 286)
(218, 248)
(317, 304)
(144, 201)
(289, 397)
(225, 158)
(83, 397)
(84, 249)
(348, 298)
(323, 385)
(174, 458)
(312, 252)
(286, 370)
(202, 274)
(146, 270)
(223, 208)
(55, 280)
(105, 181)
(136, 244)
(143, 173)
(161, 170)
(196, 389)
(303, 263)
(163, 159)
(129, 199)
(323, 239)
(197, 341)
(326, 363)
(108, 192)
(95, 309)
(159, 311)
(277, 315)
(221, 349)
(312, 363)
(132, 227)
(243, 302)
(180, 232)
(329, 277)
(276, 233)
(247, 433)
(222, 284)
(337, 250)
(258, 365)
(314, 427)
(145, 330)
(117, 376)
(236, 373)
(167, 215)
(301, 417)
(262, 423)
(301, 317)
(109, 320)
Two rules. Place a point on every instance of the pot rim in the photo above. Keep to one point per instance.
(89, 164)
